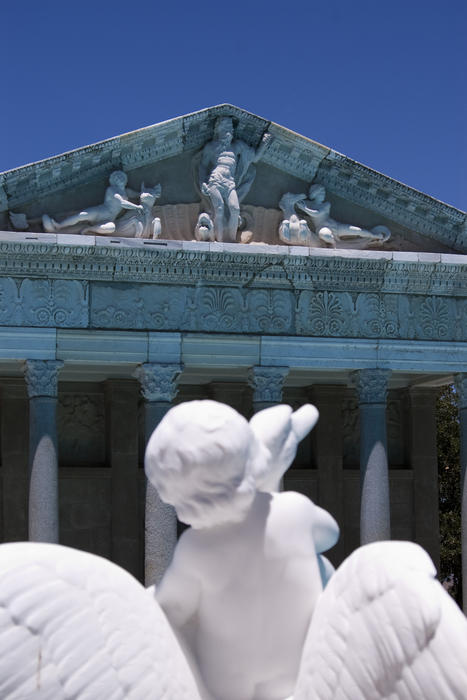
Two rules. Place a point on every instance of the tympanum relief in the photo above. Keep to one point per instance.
(315, 212)
(108, 219)
(223, 172)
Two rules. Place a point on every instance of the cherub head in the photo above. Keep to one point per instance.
(200, 459)
(118, 178)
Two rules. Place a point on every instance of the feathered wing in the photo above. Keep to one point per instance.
(384, 628)
(74, 625)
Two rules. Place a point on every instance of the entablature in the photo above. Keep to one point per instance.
(94, 258)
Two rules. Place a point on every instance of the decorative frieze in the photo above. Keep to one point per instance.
(187, 263)
(42, 377)
(278, 312)
(46, 303)
(158, 382)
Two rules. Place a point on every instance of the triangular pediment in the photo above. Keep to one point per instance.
(166, 154)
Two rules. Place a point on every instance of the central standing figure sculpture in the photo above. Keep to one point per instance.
(226, 173)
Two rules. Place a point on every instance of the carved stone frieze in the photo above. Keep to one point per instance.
(143, 306)
(167, 262)
(270, 311)
(378, 316)
(321, 314)
(371, 385)
(267, 383)
(32, 302)
(216, 309)
(41, 377)
(158, 382)
(325, 313)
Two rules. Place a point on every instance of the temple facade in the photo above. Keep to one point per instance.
(219, 255)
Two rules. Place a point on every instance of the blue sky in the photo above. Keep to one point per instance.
(383, 82)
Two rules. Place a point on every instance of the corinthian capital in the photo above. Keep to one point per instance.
(267, 383)
(371, 384)
(158, 382)
(41, 377)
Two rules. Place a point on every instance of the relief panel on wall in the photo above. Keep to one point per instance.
(81, 429)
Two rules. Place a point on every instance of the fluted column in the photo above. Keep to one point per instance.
(461, 388)
(267, 384)
(158, 383)
(371, 385)
(41, 382)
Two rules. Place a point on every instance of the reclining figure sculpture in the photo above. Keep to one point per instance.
(253, 611)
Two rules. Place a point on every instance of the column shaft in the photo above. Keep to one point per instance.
(158, 384)
(160, 521)
(43, 474)
(374, 476)
(41, 380)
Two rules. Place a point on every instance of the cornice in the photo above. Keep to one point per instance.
(394, 200)
(234, 265)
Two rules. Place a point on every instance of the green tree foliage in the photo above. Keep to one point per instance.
(449, 488)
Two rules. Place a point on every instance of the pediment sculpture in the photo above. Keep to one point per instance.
(108, 219)
(249, 608)
(316, 213)
(225, 174)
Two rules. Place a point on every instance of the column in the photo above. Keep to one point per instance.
(15, 436)
(158, 383)
(328, 442)
(121, 412)
(41, 382)
(267, 384)
(461, 388)
(371, 385)
(424, 463)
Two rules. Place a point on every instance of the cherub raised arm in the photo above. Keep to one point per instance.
(245, 577)
(100, 218)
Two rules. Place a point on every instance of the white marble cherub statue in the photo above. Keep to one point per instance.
(100, 219)
(249, 619)
(245, 577)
